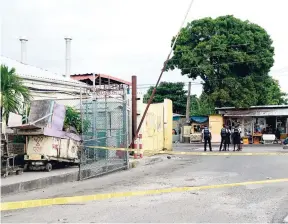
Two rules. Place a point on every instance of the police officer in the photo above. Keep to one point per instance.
(223, 134)
(237, 137)
(206, 134)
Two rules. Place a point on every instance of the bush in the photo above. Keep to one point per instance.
(73, 118)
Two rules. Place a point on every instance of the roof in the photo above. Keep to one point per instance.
(252, 107)
(104, 79)
(31, 72)
(178, 115)
(255, 111)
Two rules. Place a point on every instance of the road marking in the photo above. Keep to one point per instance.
(86, 198)
(197, 153)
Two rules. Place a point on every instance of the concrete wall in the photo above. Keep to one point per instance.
(157, 126)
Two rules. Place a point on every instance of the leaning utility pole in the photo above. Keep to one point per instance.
(188, 104)
(161, 73)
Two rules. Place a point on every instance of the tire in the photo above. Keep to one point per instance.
(48, 167)
(18, 172)
(26, 167)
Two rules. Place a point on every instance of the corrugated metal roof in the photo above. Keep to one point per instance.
(31, 72)
(255, 112)
(256, 107)
(104, 78)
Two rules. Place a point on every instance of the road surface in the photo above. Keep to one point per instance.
(163, 190)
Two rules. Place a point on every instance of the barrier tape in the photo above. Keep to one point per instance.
(6, 206)
(198, 153)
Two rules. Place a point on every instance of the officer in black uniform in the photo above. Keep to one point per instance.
(223, 134)
(206, 134)
(236, 138)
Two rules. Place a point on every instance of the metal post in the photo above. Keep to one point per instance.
(188, 104)
(82, 143)
(125, 127)
(106, 126)
(134, 109)
(94, 117)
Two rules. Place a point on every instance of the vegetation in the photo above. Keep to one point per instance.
(232, 57)
(172, 91)
(73, 118)
(14, 95)
(177, 93)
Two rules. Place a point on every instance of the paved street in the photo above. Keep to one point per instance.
(259, 202)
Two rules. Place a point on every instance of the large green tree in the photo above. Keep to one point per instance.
(233, 58)
(13, 92)
(201, 105)
(169, 90)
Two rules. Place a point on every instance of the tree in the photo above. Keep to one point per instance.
(232, 57)
(172, 91)
(201, 106)
(13, 92)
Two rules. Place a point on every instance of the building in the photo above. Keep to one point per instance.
(257, 120)
(45, 84)
(178, 121)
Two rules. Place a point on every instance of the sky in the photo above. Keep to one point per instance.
(122, 38)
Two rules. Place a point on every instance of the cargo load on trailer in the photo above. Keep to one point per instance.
(48, 141)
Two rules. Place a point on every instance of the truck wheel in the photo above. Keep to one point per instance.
(48, 167)
(18, 172)
(26, 167)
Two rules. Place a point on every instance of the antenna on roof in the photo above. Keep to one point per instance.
(23, 41)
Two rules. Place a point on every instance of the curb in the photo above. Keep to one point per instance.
(59, 179)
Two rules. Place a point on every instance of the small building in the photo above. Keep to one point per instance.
(257, 120)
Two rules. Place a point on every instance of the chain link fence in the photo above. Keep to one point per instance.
(104, 118)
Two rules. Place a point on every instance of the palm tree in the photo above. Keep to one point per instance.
(13, 92)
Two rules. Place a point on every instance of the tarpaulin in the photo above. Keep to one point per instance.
(199, 119)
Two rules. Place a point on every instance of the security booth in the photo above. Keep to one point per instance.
(258, 124)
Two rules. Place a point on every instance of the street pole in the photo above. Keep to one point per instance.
(134, 110)
(188, 104)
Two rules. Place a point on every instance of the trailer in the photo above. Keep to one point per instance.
(47, 144)
(45, 152)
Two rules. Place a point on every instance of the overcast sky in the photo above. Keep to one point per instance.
(125, 37)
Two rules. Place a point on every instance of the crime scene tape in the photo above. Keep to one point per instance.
(195, 153)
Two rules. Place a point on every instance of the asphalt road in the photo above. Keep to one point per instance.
(262, 203)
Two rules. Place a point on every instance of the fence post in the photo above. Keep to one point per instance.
(82, 142)
(125, 127)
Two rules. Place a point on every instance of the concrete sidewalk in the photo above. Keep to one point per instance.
(33, 180)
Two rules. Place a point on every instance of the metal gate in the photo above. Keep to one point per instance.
(106, 120)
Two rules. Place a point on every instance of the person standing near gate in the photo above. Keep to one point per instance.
(237, 138)
(228, 138)
(206, 134)
(223, 134)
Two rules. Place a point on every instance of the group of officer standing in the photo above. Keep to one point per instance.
(226, 135)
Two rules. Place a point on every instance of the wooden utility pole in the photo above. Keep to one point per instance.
(134, 109)
(188, 104)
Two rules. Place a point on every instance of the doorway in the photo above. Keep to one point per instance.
(271, 125)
